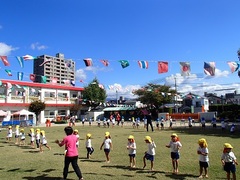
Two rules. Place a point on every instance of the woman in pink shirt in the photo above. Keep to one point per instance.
(71, 152)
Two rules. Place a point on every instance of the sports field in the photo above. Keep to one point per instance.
(24, 162)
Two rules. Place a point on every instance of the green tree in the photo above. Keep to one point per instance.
(155, 95)
(94, 94)
(37, 107)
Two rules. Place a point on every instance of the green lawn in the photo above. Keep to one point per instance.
(27, 163)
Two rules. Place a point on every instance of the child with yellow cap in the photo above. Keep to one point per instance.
(131, 146)
(202, 151)
(174, 145)
(75, 132)
(9, 134)
(22, 137)
(37, 137)
(44, 141)
(107, 144)
(17, 132)
(32, 137)
(229, 161)
(89, 147)
(150, 153)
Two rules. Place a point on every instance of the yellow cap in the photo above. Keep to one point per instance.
(75, 130)
(174, 135)
(9, 127)
(148, 138)
(227, 146)
(130, 137)
(32, 130)
(88, 135)
(203, 142)
(107, 133)
(21, 130)
(17, 126)
(37, 130)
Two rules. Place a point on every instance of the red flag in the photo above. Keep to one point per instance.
(105, 62)
(162, 67)
(5, 60)
(54, 80)
(32, 77)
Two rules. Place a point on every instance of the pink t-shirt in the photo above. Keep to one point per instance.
(70, 145)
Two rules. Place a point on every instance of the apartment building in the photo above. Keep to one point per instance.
(54, 69)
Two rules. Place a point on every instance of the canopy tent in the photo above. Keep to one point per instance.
(3, 113)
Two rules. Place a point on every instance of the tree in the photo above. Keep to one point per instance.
(155, 95)
(37, 107)
(94, 94)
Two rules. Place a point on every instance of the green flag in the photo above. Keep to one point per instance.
(43, 79)
(124, 63)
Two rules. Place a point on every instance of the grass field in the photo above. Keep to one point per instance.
(27, 163)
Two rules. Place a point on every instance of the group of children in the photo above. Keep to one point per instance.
(37, 136)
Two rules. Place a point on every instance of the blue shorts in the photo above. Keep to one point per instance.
(107, 150)
(132, 155)
(175, 155)
(203, 164)
(149, 157)
(229, 167)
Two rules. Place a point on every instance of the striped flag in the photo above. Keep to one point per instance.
(28, 57)
(105, 62)
(88, 62)
(234, 66)
(20, 76)
(162, 67)
(20, 61)
(143, 64)
(209, 68)
(5, 60)
(9, 72)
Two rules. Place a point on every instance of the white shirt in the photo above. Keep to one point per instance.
(107, 143)
(10, 133)
(151, 148)
(203, 158)
(228, 157)
(131, 147)
(174, 146)
(44, 140)
(88, 143)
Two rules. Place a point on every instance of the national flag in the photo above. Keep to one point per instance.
(20, 76)
(234, 66)
(72, 83)
(101, 86)
(43, 79)
(209, 68)
(185, 68)
(47, 60)
(20, 61)
(54, 80)
(124, 63)
(32, 77)
(162, 67)
(105, 62)
(9, 72)
(143, 64)
(28, 57)
(5, 60)
(88, 62)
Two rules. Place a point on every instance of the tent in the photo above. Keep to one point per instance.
(22, 118)
(3, 113)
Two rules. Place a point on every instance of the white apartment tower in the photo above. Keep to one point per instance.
(56, 70)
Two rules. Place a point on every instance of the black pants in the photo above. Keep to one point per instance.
(73, 161)
(150, 123)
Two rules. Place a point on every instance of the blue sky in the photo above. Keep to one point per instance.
(155, 30)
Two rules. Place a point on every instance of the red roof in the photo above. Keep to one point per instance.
(42, 85)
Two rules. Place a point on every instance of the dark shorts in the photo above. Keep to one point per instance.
(16, 136)
(157, 125)
(229, 167)
(132, 155)
(106, 150)
(149, 157)
(175, 155)
(203, 164)
(90, 150)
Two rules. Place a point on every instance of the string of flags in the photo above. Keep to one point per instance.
(163, 66)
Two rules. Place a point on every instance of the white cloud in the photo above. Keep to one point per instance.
(38, 46)
(6, 49)
(118, 90)
(80, 74)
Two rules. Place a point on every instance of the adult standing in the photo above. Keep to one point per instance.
(149, 121)
(71, 152)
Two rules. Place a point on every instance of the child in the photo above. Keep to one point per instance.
(89, 147)
(90, 121)
(203, 122)
(17, 134)
(22, 137)
(32, 137)
(131, 146)
(214, 122)
(157, 123)
(150, 153)
(107, 144)
(72, 154)
(37, 137)
(223, 125)
(203, 157)
(44, 141)
(133, 122)
(145, 122)
(9, 134)
(122, 121)
(162, 123)
(175, 146)
(138, 122)
(228, 161)
(83, 120)
(104, 122)
(75, 132)
(170, 122)
(99, 122)
(232, 129)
